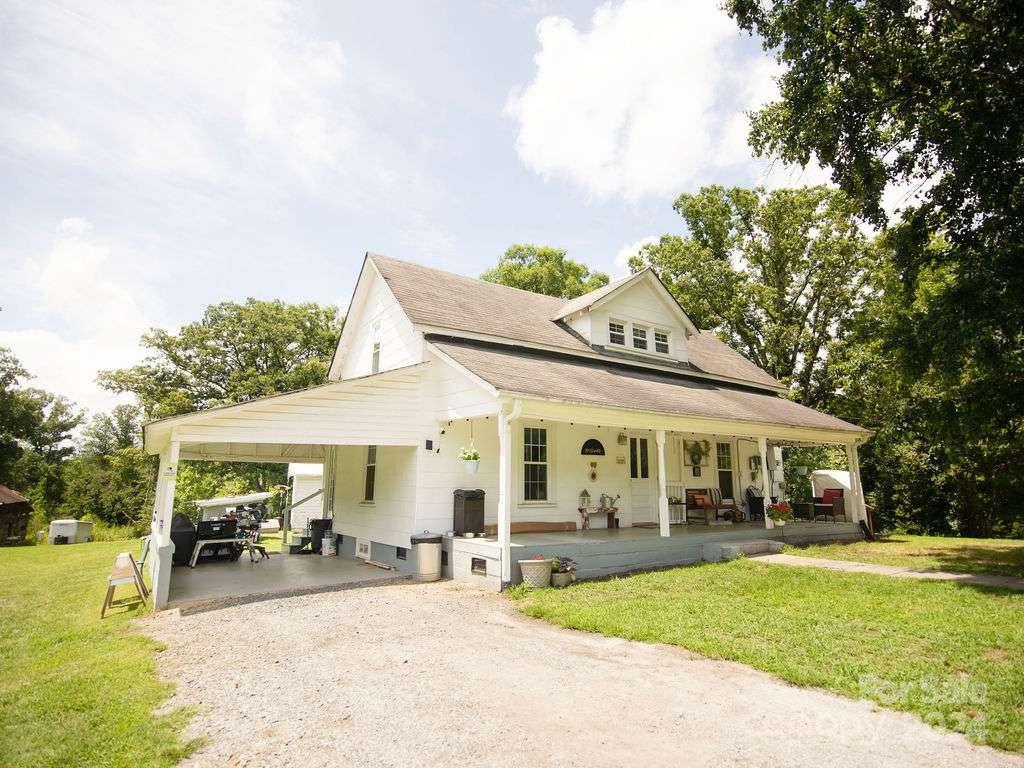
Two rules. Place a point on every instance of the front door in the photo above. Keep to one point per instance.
(641, 492)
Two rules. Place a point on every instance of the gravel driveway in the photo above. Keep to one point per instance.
(443, 674)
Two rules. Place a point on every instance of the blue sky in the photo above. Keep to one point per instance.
(157, 158)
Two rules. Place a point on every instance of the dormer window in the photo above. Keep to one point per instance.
(661, 342)
(616, 333)
(639, 337)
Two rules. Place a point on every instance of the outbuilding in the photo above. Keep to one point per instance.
(14, 512)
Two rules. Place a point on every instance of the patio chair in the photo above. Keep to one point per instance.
(830, 506)
(755, 503)
(726, 509)
(699, 507)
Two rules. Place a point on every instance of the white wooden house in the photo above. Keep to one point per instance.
(304, 481)
(430, 362)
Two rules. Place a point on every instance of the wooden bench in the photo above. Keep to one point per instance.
(535, 527)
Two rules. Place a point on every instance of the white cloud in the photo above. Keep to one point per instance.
(628, 251)
(86, 289)
(649, 101)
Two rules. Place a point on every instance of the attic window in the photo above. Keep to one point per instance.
(639, 337)
(616, 333)
(661, 342)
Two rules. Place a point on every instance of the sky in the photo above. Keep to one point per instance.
(159, 157)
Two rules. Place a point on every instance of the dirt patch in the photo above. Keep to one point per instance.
(445, 675)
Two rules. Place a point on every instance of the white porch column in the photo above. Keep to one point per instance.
(505, 489)
(766, 482)
(857, 503)
(663, 520)
(161, 548)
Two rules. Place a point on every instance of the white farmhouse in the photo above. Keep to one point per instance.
(615, 393)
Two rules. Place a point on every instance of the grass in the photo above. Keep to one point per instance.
(75, 690)
(952, 654)
(1004, 557)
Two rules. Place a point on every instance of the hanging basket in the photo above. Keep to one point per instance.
(471, 465)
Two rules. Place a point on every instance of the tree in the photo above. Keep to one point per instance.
(927, 96)
(110, 432)
(544, 270)
(236, 352)
(776, 274)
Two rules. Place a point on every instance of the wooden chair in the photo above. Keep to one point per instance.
(726, 509)
(125, 571)
(699, 508)
(830, 506)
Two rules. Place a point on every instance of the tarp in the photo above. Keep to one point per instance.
(830, 478)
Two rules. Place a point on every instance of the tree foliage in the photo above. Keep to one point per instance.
(776, 274)
(546, 270)
(926, 96)
(236, 352)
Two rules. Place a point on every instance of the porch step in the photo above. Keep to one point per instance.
(716, 551)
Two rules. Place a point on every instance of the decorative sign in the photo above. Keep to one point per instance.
(592, 448)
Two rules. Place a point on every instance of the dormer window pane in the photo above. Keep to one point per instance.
(616, 333)
(661, 342)
(639, 337)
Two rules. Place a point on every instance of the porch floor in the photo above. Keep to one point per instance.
(601, 535)
(216, 584)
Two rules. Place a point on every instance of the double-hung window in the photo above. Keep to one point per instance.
(723, 456)
(639, 337)
(616, 333)
(371, 473)
(661, 342)
(375, 358)
(535, 464)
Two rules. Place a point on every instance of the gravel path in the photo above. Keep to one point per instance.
(445, 675)
(980, 579)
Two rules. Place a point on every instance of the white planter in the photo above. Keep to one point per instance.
(536, 573)
(472, 465)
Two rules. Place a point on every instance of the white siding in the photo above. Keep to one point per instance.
(389, 518)
(400, 343)
(302, 486)
(645, 305)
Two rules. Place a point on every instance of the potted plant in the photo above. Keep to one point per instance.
(780, 512)
(536, 571)
(470, 458)
(563, 571)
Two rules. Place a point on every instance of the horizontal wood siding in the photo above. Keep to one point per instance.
(400, 343)
(389, 519)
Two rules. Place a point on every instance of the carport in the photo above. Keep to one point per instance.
(303, 426)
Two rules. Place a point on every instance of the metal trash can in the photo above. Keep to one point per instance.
(427, 547)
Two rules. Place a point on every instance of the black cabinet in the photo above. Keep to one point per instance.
(469, 511)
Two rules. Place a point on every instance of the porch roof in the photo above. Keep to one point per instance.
(574, 380)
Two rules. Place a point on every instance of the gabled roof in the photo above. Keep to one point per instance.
(607, 292)
(565, 378)
(468, 307)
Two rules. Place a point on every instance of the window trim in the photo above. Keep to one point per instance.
(370, 478)
(624, 332)
(643, 330)
(520, 480)
(668, 341)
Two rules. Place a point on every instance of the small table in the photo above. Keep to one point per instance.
(203, 542)
(586, 512)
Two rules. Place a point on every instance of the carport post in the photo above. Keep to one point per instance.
(161, 545)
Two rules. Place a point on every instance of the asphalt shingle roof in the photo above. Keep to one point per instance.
(442, 299)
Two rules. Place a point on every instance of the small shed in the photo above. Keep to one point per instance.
(305, 479)
(220, 505)
(14, 513)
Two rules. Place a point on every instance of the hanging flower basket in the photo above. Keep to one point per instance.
(470, 459)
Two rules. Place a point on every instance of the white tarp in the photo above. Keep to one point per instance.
(830, 478)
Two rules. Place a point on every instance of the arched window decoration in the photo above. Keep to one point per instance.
(592, 447)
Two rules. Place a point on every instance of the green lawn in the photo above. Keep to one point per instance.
(75, 690)
(951, 653)
(1000, 556)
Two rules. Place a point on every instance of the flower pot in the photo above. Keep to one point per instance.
(472, 465)
(536, 573)
(561, 579)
